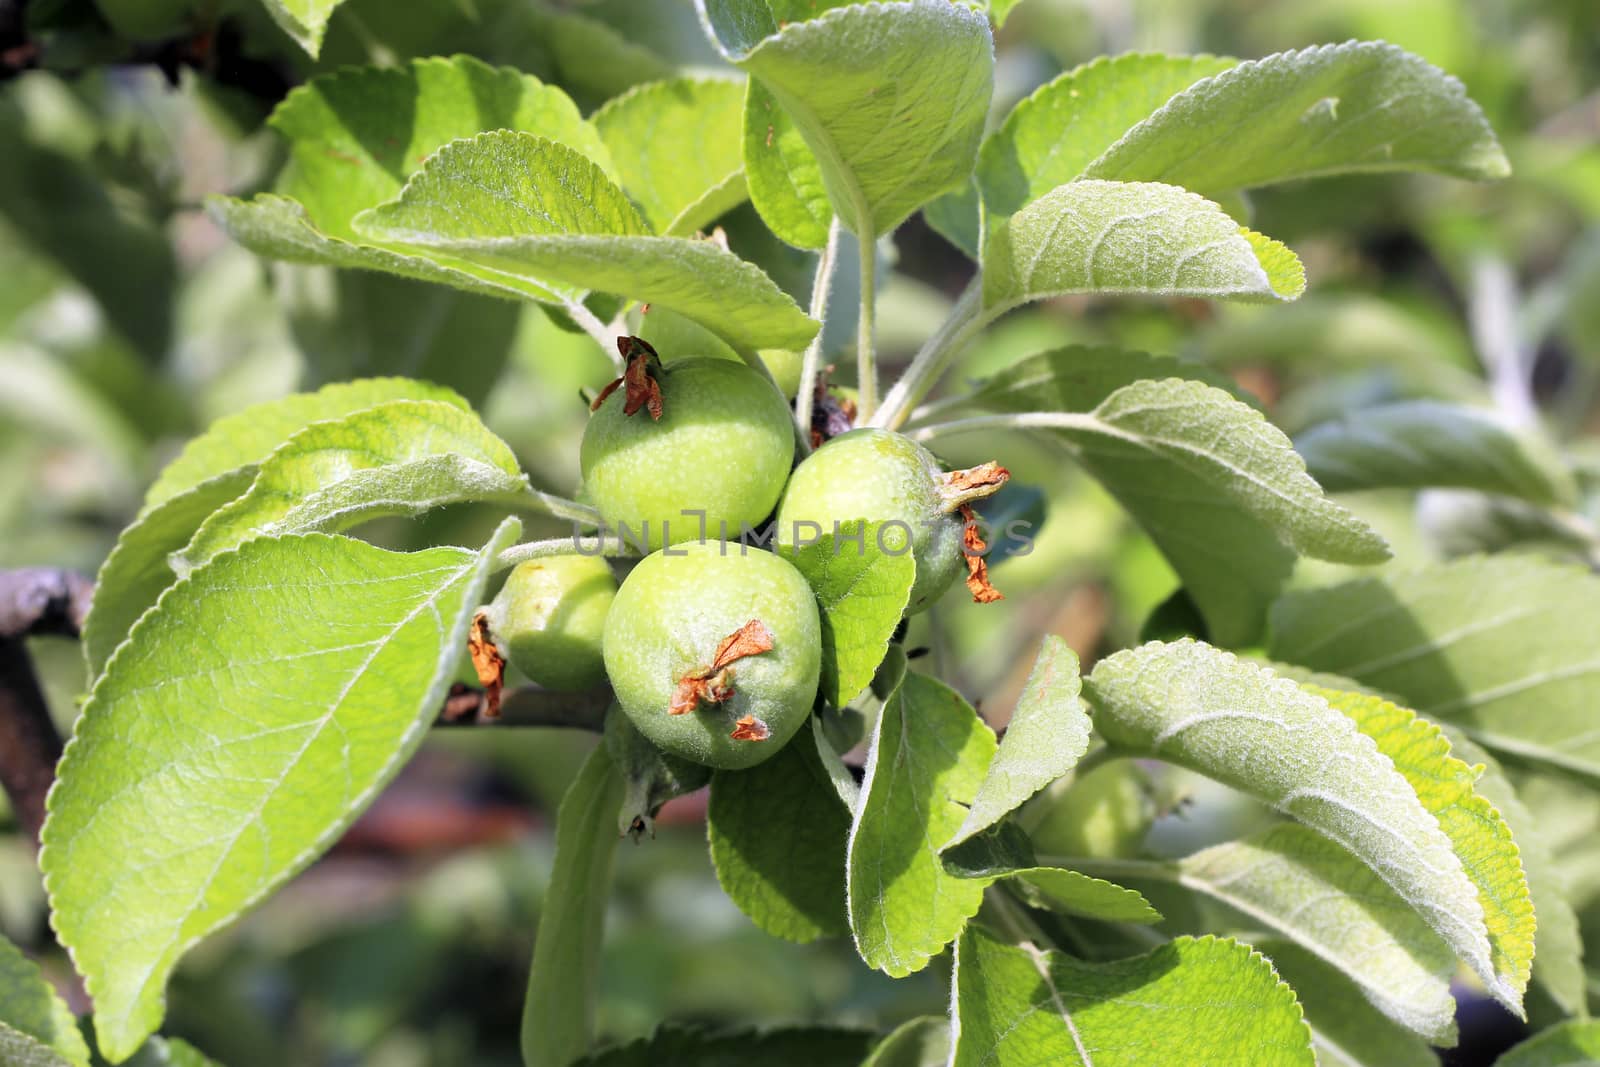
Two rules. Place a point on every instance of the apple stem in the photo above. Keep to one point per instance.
(866, 361)
(811, 362)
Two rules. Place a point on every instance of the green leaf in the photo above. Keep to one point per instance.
(213, 469)
(1130, 238)
(891, 98)
(587, 55)
(785, 1046)
(1219, 489)
(1481, 838)
(1190, 1001)
(1423, 444)
(928, 756)
(356, 136)
(1558, 958)
(247, 721)
(675, 145)
(1007, 853)
(863, 592)
(922, 1042)
(169, 1052)
(517, 203)
(1346, 1030)
(1502, 647)
(404, 457)
(1238, 723)
(1571, 1044)
(32, 1010)
(1048, 733)
(1297, 883)
(1049, 138)
(957, 217)
(785, 179)
(558, 1017)
(778, 835)
(304, 20)
(1335, 109)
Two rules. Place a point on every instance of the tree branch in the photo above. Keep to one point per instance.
(528, 705)
(33, 602)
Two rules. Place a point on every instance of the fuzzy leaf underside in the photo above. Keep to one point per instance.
(1333, 109)
(1048, 733)
(1238, 723)
(1482, 840)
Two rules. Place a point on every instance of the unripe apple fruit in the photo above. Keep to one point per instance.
(723, 446)
(714, 650)
(549, 618)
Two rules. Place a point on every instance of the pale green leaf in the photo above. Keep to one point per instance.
(278, 228)
(1422, 444)
(1297, 883)
(891, 98)
(213, 469)
(1006, 853)
(778, 835)
(517, 203)
(1333, 109)
(137, 570)
(1482, 840)
(1133, 239)
(357, 135)
(1050, 137)
(784, 178)
(928, 756)
(1346, 1030)
(30, 1006)
(1572, 1044)
(246, 722)
(586, 54)
(304, 20)
(1204, 709)
(1218, 488)
(1048, 733)
(1502, 647)
(862, 592)
(558, 1017)
(1558, 958)
(1205, 1000)
(675, 147)
(404, 457)
(169, 1052)
(1000, 10)
(247, 437)
(922, 1042)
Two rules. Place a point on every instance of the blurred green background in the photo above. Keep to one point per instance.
(128, 322)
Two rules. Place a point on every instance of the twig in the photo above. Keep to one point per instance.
(33, 602)
(604, 335)
(866, 359)
(528, 706)
(811, 362)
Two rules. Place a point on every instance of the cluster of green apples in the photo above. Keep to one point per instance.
(713, 644)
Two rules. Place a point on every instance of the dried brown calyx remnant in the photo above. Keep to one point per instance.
(638, 381)
(713, 683)
(973, 547)
(488, 662)
(830, 415)
(750, 728)
(960, 488)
